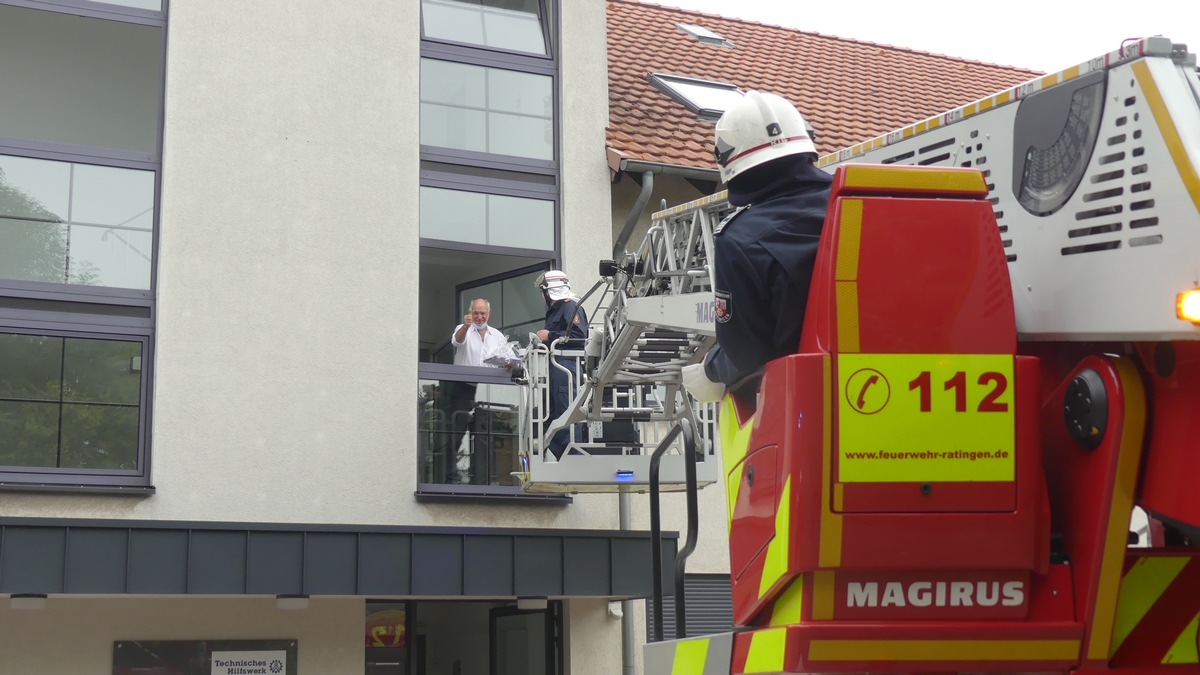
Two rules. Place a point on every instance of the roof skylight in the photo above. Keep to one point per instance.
(704, 35)
(706, 98)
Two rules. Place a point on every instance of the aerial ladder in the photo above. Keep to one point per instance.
(650, 314)
(1000, 362)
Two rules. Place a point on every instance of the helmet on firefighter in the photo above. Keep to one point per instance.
(757, 129)
(554, 284)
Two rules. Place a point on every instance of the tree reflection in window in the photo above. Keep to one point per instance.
(69, 403)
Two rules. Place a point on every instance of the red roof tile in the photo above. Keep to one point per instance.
(848, 90)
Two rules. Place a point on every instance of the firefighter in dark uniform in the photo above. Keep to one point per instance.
(564, 319)
(765, 251)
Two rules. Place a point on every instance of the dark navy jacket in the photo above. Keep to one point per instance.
(562, 315)
(763, 264)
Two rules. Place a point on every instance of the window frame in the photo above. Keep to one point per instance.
(95, 480)
(489, 186)
(78, 292)
(508, 162)
(97, 10)
(444, 176)
(445, 372)
(664, 82)
(549, 23)
(704, 35)
(93, 312)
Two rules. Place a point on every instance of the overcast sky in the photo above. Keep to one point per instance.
(1046, 35)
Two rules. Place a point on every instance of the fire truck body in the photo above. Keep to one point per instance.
(1092, 177)
(997, 366)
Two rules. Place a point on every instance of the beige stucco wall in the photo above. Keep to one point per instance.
(285, 379)
(593, 645)
(584, 117)
(75, 635)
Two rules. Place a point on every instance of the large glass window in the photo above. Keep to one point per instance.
(69, 402)
(488, 220)
(513, 25)
(81, 89)
(79, 80)
(72, 223)
(479, 218)
(463, 637)
(469, 107)
(451, 279)
(154, 5)
(467, 432)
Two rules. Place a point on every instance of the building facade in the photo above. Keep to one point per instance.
(234, 241)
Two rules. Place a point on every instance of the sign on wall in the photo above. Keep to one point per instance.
(204, 657)
(259, 662)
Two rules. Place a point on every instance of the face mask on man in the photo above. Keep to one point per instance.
(481, 325)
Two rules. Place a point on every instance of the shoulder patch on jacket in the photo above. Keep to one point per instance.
(729, 219)
(723, 307)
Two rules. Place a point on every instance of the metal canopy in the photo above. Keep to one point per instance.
(42, 555)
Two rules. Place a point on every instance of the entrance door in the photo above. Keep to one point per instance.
(522, 642)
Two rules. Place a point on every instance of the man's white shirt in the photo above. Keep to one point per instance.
(476, 346)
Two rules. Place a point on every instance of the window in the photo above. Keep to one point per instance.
(490, 110)
(102, 79)
(704, 35)
(155, 5)
(489, 205)
(518, 308)
(499, 638)
(70, 403)
(487, 219)
(513, 25)
(78, 231)
(71, 223)
(705, 98)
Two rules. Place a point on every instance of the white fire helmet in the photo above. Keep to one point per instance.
(759, 128)
(554, 284)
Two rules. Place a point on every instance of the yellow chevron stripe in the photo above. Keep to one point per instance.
(830, 552)
(735, 444)
(1129, 455)
(766, 651)
(775, 562)
(1184, 650)
(1141, 587)
(849, 239)
(942, 180)
(694, 204)
(690, 656)
(846, 274)
(789, 607)
(1166, 125)
(847, 316)
(943, 650)
(823, 587)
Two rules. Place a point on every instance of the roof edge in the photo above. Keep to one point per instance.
(642, 166)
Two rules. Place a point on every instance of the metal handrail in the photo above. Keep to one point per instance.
(683, 426)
